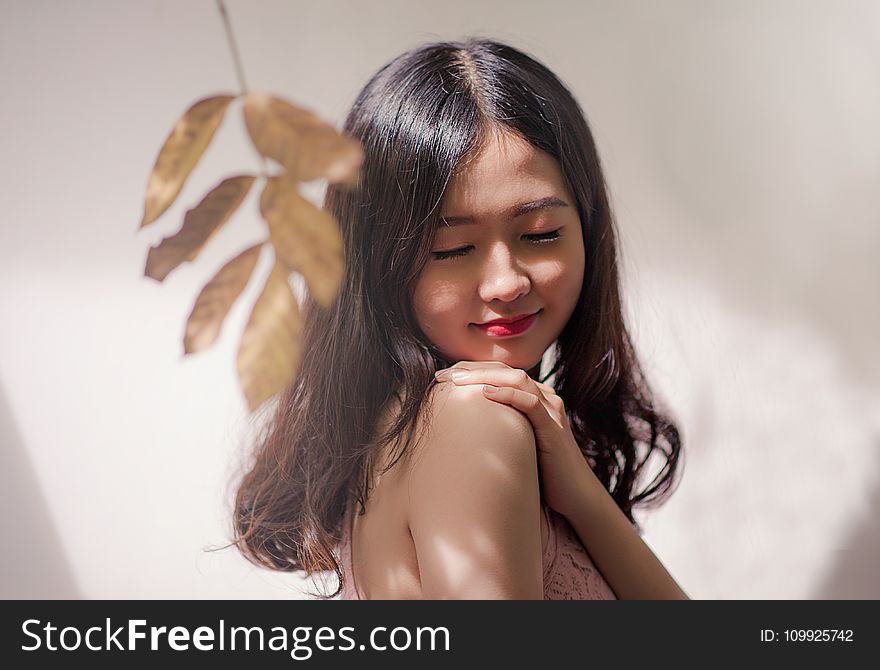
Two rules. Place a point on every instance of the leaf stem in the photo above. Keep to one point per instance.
(239, 70)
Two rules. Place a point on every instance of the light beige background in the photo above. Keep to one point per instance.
(742, 147)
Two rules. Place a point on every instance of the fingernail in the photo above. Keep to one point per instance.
(441, 373)
(460, 376)
(490, 389)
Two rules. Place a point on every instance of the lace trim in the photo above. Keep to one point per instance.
(570, 574)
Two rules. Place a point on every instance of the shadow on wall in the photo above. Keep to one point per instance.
(855, 574)
(33, 562)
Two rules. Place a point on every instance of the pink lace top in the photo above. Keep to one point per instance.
(569, 574)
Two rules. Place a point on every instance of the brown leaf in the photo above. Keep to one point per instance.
(185, 145)
(306, 239)
(270, 346)
(199, 224)
(300, 141)
(216, 299)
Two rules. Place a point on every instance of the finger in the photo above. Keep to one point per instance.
(497, 376)
(465, 366)
(477, 374)
(528, 403)
(475, 365)
(546, 388)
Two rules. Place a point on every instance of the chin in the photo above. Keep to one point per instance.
(522, 362)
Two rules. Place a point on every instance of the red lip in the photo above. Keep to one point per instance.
(505, 321)
(508, 327)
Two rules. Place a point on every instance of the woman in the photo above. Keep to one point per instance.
(479, 238)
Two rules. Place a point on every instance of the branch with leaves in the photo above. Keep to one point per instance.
(305, 239)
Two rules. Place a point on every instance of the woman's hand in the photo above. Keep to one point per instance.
(561, 464)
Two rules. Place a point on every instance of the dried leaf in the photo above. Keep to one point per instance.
(270, 346)
(305, 145)
(216, 299)
(199, 224)
(306, 238)
(185, 145)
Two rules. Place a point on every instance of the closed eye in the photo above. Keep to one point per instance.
(536, 238)
(544, 237)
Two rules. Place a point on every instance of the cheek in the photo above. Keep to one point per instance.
(564, 278)
(436, 300)
(576, 273)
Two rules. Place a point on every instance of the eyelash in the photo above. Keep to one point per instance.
(537, 238)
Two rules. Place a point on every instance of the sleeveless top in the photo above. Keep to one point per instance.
(569, 573)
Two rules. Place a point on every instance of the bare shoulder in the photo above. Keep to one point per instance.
(456, 412)
(474, 500)
(461, 427)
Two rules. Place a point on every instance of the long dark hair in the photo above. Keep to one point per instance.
(418, 118)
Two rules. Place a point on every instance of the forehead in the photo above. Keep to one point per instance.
(506, 169)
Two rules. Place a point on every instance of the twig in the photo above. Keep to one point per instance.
(239, 70)
(221, 5)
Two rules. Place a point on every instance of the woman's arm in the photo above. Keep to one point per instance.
(569, 485)
(627, 563)
(474, 501)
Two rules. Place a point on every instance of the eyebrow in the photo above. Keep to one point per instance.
(512, 213)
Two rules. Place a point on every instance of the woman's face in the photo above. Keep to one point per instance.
(511, 245)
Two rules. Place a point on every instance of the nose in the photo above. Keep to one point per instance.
(503, 278)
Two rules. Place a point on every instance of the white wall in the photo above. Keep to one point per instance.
(743, 153)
